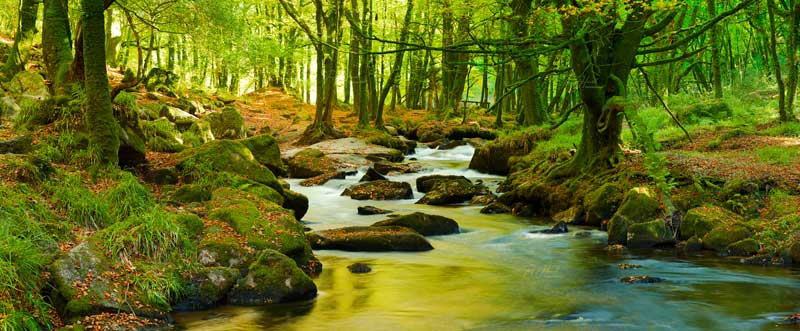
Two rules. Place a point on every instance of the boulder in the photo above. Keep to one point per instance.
(371, 175)
(496, 208)
(693, 245)
(484, 199)
(744, 247)
(600, 204)
(8, 107)
(324, 178)
(426, 183)
(206, 288)
(641, 280)
(385, 167)
(202, 130)
(701, 220)
(449, 191)
(370, 239)
(370, 210)
(162, 176)
(720, 237)
(424, 224)
(224, 156)
(16, 145)
(493, 157)
(295, 202)
(191, 193)
(228, 124)
(359, 268)
(182, 119)
(266, 151)
(639, 206)
(448, 144)
(27, 85)
(222, 252)
(272, 278)
(380, 190)
(310, 163)
(560, 227)
(357, 150)
(648, 234)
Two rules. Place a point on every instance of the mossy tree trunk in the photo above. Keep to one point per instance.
(530, 106)
(99, 114)
(26, 28)
(394, 76)
(56, 43)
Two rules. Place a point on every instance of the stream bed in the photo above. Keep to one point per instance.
(496, 275)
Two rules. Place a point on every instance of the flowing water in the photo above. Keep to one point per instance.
(496, 275)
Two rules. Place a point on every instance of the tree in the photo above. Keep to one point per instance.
(56, 43)
(394, 76)
(100, 119)
(28, 12)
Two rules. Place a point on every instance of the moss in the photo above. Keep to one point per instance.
(639, 206)
(721, 236)
(225, 252)
(202, 131)
(154, 234)
(701, 220)
(228, 124)
(295, 202)
(744, 247)
(272, 278)
(191, 193)
(192, 225)
(601, 203)
(225, 156)
(648, 234)
(265, 150)
(128, 197)
(310, 163)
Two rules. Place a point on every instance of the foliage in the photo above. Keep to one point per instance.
(79, 205)
(128, 197)
(154, 234)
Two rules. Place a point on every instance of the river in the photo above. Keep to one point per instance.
(496, 275)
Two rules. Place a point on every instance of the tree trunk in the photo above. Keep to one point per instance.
(776, 65)
(99, 114)
(394, 76)
(56, 43)
(716, 67)
(28, 12)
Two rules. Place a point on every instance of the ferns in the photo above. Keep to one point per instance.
(654, 162)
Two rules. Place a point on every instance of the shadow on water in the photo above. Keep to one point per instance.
(496, 275)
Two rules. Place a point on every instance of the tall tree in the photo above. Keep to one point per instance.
(56, 43)
(99, 114)
(394, 76)
(28, 11)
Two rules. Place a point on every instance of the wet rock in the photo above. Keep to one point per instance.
(615, 249)
(522, 210)
(424, 224)
(694, 244)
(324, 178)
(648, 234)
(384, 167)
(380, 190)
(720, 237)
(601, 203)
(227, 124)
(206, 288)
(701, 220)
(370, 210)
(496, 208)
(625, 266)
(163, 176)
(639, 206)
(371, 175)
(560, 227)
(310, 163)
(441, 190)
(793, 319)
(484, 199)
(369, 239)
(265, 150)
(493, 157)
(583, 234)
(218, 156)
(573, 215)
(766, 260)
(447, 144)
(295, 202)
(272, 278)
(16, 145)
(359, 268)
(347, 148)
(641, 280)
(744, 247)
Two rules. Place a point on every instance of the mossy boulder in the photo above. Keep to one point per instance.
(450, 191)
(27, 85)
(712, 109)
(493, 157)
(744, 247)
(701, 220)
(202, 130)
(272, 278)
(219, 249)
(649, 234)
(600, 204)
(225, 156)
(296, 202)
(370, 239)
(639, 206)
(721, 236)
(207, 287)
(192, 225)
(424, 224)
(386, 140)
(386, 167)
(310, 163)
(191, 193)
(182, 119)
(227, 124)
(324, 178)
(265, 149)
(380, 190)
(426, 183)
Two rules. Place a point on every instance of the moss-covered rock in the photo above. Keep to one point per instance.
(296, 202)
(324, 178)
(425, 224)
(601, 203)
(701, 220)
(192, 225)
(224, 156)
(202, 130)
(426, 183)
(639, 206)
(385, 167)
(207, 287)
(493, 157)
(451, 191)
(720, 237)
(227, 124)
(191, 193)
(370, 239)
(272, 278)
(265, 149)
(648, 234)
(744, 247)
(310, 163)
(380, 190)
(183, 120)
(216, 250)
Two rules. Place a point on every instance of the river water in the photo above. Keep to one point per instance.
(496, 275)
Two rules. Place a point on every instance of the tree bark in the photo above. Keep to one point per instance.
(56, 43)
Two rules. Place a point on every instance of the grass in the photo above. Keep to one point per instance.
(79, 205)
(779, 155)
(154, 234)
(128, 198)
(159, 286)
